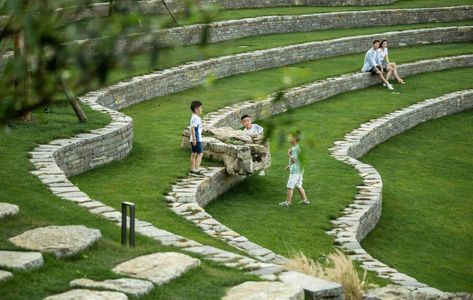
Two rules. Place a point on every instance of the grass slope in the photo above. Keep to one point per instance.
(427, 202)
(39, 207)
(251, 208)
(157, 159)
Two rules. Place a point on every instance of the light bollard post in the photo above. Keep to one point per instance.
(125, 206)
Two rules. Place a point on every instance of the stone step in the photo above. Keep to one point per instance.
(130, 286)
(158, 268)
(21, 260)
(61, 241)
(265, 290)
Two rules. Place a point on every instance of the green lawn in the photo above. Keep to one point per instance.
(160, 21)
(427, 202)
(157, 160)
(39, 207)
(175, 56)
(251, 208)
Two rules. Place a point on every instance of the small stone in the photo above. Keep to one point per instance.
(265, 290)
(62, 241)
(159, 268)
(7, 209)
(130, 286)
(315, 288)
(21, 260)
(83, 294)
(5, 275)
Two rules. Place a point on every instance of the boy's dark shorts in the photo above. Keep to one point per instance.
(197, 148)
(374, 70)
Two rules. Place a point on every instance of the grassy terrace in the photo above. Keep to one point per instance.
(401, 4)
(176, 56)
(39, 207)
(160, 21)
(426, 234)
(427, 202)
(157, 159)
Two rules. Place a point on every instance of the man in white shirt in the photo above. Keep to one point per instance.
(251, 129)
(371, 64)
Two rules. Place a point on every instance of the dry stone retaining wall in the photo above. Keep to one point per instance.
(265, 25)
(362, 216)
(190, 190)
(156, 7)
(142, 88)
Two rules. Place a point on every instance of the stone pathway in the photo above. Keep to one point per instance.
(159, 268)
(62, 241)
(264, 290)
(7, 209)
(5, 275)
(130, 286)
(21, 260)
(84, 294)
(362, 216)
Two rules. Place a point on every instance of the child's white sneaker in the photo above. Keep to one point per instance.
(304, 201)
(284, 203)
(261, 173)
(390, 86)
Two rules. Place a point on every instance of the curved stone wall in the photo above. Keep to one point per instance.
(156, 7)
(176, 79)
(266, 25)
(196, 192)
(234, 4)
(56, 161)
(362, 216)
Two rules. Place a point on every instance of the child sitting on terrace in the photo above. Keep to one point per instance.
(253, 130)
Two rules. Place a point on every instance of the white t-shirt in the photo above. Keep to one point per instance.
(255, 129)
(382, 56)
(196, 122)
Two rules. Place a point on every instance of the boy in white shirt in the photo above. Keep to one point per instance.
(251, 129)
(195, 128)
(371, 64)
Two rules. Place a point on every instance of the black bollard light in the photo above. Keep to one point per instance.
(125, 206)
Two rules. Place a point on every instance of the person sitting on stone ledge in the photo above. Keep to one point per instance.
(383, 60)
(371, 65)
(253, 130)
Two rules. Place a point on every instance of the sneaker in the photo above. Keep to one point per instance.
(261, 173)
(284, 203)
(389, 86)
(196, 173)
(304, 201)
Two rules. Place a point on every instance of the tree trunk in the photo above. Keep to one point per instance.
(170, 12)
(73, 101)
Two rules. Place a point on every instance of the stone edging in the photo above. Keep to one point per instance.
(266, 25)
(362, 216)
(192, 74)
(57, 160)
(198, 191)
(156, 7)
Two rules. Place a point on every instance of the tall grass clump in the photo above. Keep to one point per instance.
(339, 268)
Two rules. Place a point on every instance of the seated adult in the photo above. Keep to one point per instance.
(371, 64)
(253, 130)
(383, 59)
